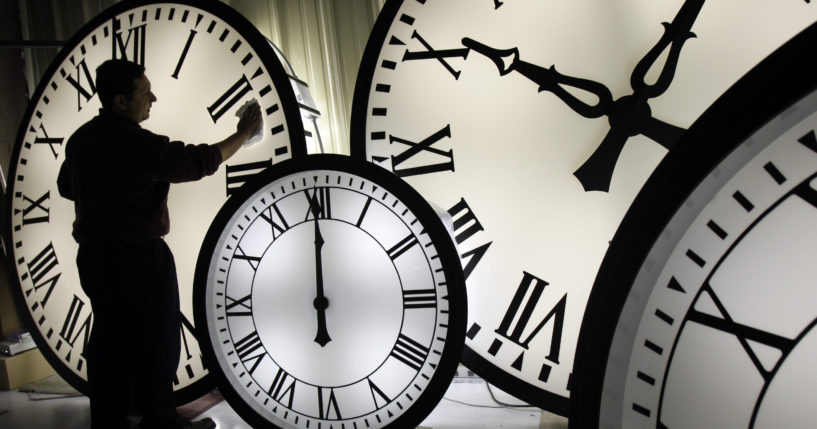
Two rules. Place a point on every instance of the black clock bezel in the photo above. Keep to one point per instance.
(363, 83)
(260, 46)
(763, 93)
(432, 224)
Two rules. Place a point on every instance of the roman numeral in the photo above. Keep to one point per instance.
(409, 352)
(252, 260)
(186, 49)
(187, 330)
(35, 211)
(72, 328)
(402, 246)
(319, 204)
(244, 305)
(723, 322)
(276, 220)
(806, 192)
(424, 146)
(135, 41)
(40, 268)
(248, 351)
(466, 225)
(520, 311)
(439, 55)
(423, 298)
(50, 141)
(379, 397)
(330, 409)
(227, 100)
(283, 385)
(83, 93)
(238, 174)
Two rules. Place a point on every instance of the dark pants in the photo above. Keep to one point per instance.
(133, 351)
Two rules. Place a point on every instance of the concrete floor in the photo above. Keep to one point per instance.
(467, 404)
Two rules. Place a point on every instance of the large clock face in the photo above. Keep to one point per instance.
(535, 123)
(331, 294)
(204, 61)
(708, 318)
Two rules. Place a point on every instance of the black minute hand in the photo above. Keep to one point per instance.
(321, 303)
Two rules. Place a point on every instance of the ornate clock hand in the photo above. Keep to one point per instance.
(548, 79)
(632, 113)
(321, 303)
(630, 116)
(675, 34)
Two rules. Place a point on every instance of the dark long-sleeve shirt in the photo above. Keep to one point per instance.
(118, 175)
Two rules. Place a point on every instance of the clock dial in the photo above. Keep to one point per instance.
(331, 293)
(204, 61)
(535, 124)
(703, 312)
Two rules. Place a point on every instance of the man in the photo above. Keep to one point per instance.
(118, 175)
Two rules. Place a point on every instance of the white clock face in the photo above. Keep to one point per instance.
(204, 61)
(735, 316)
(717, 328)
(329, 297)
(535, 123)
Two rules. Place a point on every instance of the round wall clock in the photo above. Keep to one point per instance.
(329, 294)
(703, 313)
(204, 61)
(535, 123)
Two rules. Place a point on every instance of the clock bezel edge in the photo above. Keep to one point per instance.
(434, 226)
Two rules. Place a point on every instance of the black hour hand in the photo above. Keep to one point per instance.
(505, 59)
(547, 79)
(321, 303)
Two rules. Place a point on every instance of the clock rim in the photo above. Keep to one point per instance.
(365, 74)
(434, 227)
(732, 118)
(289, 105)
(481, 366)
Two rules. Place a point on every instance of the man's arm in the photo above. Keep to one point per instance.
(248, 123)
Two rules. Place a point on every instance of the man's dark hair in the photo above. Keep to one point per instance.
(116, 77)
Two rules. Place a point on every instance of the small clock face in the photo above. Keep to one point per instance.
(331, 294)
(204, 61)
(535, 123)
(718, 328)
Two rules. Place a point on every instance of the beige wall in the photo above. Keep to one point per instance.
(323, 41)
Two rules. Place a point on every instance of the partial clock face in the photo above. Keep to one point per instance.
(332, 295)
(204, 61)
(715, 324)
(535, 123)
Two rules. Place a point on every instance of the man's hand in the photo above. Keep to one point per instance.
(250, 120)
(247, 124)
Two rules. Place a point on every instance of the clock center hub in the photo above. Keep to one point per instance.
(320, 303)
